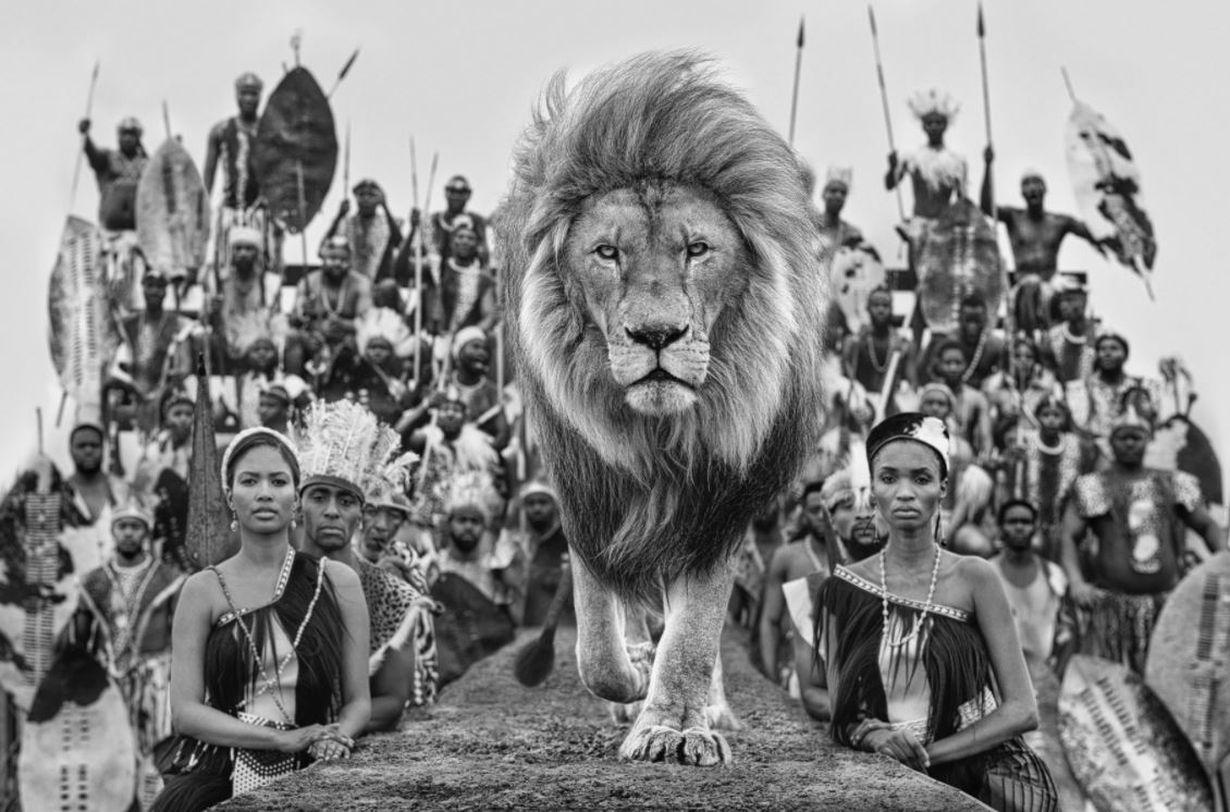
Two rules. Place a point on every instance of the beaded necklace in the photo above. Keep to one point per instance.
(976, 358)
(918, 622)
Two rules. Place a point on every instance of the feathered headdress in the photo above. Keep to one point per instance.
(381, 322)
(344, 445)
(934, 101)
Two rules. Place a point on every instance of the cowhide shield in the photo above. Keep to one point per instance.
(959, 255)
(470, 628)
(1189, 659)
(77, 748)
(295, 154)
(172, 211)
(1123, 745)
(853, 274)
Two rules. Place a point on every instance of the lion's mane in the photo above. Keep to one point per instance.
(645, 499)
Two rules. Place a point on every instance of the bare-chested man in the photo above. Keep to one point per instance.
(790, 562)
(1131, 510)
(1035, 235)
(866, 356)
(1069, 344)
(1034, 586)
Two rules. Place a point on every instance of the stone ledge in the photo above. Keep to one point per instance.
(492, 744)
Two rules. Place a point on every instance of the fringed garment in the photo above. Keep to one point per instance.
(954, 688)
(200, 774)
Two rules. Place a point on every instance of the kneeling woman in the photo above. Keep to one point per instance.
(269, 648)
(918, 644)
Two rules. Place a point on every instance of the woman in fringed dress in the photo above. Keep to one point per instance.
(269, 648)
(918, 644)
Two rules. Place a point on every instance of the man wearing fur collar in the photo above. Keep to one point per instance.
(124, 619)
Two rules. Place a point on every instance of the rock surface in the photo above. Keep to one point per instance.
(492, 744)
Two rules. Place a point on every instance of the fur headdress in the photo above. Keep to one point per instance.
(472, 489)
(381, 322)
(841, 175)
(344, 445)
(934, 101)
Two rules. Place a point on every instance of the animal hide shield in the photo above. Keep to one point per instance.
(959, 255)
(1107, 186)
(209, 539)
(1189, 660)
(853, 274)
(470, 628)
(82, 335)
(172, 212)
(77, 748)
(295, 154)
(1122, 743)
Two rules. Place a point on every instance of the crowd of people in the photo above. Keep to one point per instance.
(376, 450)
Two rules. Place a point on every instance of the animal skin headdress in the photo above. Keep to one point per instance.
(914, 426)
(344, 445)
(934, 101)
(840, 175)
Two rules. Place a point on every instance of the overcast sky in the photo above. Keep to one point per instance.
(461, 78)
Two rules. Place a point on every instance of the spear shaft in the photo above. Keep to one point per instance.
(89, 106)
(986, 92)
(794, 96)
(888, 120)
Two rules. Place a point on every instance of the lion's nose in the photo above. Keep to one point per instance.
(657, 336)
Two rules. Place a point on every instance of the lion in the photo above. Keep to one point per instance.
(664, 303)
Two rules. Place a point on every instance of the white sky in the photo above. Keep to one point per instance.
(461, 77)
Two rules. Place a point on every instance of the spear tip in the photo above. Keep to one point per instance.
(871, 15)
(982, 29)
(800, 40)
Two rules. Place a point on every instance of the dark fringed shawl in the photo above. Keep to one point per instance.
(954, 658)
(202, 772)
(1009, 776)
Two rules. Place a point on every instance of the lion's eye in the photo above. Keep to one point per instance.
(698, 249)
(607, 252)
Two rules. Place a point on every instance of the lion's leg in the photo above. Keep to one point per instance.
(603, 661)
(673, 725)
(718, 711)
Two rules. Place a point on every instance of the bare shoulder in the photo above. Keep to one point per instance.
(971, 568)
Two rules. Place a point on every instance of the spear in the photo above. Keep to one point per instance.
(296, 39)
(341, 74)
(986, 92)
(888, 121)
(798, 64)
(416, 245)
(89, 106)
(166, 119)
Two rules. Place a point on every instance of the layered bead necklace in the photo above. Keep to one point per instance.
(898, 642)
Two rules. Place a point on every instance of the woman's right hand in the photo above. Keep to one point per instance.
(301, 738)
(901, 744)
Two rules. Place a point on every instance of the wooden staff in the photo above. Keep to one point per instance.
(888, 121)
(798, 64)
(38, 416)
(416, 246)
(886, 390)
(89, 106)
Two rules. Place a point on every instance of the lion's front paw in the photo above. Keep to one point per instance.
(693, 746)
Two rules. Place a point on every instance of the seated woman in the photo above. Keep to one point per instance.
(918, 645)
(270, 646)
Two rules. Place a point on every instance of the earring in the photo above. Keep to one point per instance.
(939, 528)
(234, 523)
(293, 524)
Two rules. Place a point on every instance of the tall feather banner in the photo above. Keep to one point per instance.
(209, 539)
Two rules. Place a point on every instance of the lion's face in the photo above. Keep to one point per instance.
(654, 267)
